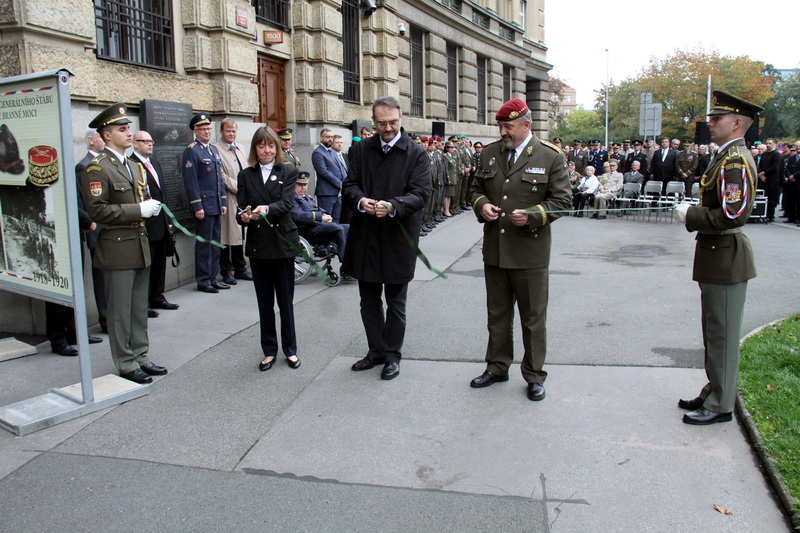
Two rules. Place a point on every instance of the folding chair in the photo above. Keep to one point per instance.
(630, 192)
(672, 196)
(650, 195)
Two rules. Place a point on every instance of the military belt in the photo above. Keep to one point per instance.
(724, 232)
(126, 226)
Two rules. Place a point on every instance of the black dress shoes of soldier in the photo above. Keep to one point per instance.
(138, 376)
(486, 379)
(247, 276)
(366, 363)
(207, 288)
(152, 313)
(391, 369)
(691, 405)
(65, 350)
(704, 417)
(535, 392)
(169, 306)
(230, 280)
(154, 370)
(220, 286)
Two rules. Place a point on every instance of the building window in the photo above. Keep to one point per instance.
(275, 12)
(452, 82)
(507, 32)
(523, 7)
(417, 72)
(351, 60)
(135, 31)
(454, 5)
(481, 19)
(481, 90)
(506, 83)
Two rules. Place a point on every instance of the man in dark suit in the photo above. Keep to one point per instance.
(157, 227)
(386, 187)
(331, 172)
(723, 258)
(313, 221)
(791, 189)
(769, 176)
(114, 193)
(202, 177)
(663, 165)
(95, 145)
(703, 160)
(521, 187)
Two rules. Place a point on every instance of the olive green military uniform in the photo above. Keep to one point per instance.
(516, 259)
(112, 198)
(723, 262)
(290, 157)
(453, 175)
(686, 164)
(466, 166)
(441, 169)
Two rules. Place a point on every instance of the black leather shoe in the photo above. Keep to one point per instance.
(691, 405)
(152, 313)
(95, 340)
(594, 215)
(486, 379)
(154, 370)
(137, 376)
(169, 306)
(293, 364)
(220, 286)
(704, 417)
(266, 366)
(65, 350)
(366, 363)
(601, 217)
(207, 288)
(230, 280)
(247, 276)
(391, 369)
(535, 392)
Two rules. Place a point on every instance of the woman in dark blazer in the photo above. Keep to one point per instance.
(266, 198)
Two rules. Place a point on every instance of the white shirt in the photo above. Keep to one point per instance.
(518, 150)
(266, 170)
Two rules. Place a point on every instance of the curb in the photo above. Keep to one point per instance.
(772, 473)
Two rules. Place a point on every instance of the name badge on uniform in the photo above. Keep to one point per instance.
(532, 170)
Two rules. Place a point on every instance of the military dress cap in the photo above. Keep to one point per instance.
(453, 138)
(439, 138)
(449, 144)
(199, 119)
(615, 145)
(596, 141)
(302, 177)
(725, 103)
(285, 134)
(557, 140)
(613, 162)
(626, 141)
(688, 141)
(637, 141)
(113, 114)
(511, 110)
(577, 141)
(462, 136)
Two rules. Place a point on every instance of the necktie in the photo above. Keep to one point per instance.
(386, 148)
(152, 171)
(125, 164)
(236, 157)
(511, 157)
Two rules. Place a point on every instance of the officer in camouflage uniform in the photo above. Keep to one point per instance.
(114, 190)
(723, 258)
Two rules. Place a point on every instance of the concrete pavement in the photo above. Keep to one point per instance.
(219, 446)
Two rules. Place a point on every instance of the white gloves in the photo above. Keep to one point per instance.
(150, 208)
(680, 212)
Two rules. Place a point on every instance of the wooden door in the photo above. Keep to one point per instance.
(271, 92)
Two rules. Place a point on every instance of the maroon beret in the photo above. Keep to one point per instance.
(511, 110)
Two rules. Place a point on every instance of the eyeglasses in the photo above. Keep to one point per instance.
(382, 124)
(146, 141)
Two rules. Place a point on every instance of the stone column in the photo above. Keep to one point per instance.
(436, 105)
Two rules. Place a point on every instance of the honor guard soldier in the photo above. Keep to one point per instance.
(723, 257)
(205, 187)
(521, 187)
(289, 155)
(115, 193)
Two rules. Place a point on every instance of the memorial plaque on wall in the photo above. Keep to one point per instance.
(168, 124)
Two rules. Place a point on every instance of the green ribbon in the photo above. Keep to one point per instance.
(418, 252)
(186, 231)
(536, 211)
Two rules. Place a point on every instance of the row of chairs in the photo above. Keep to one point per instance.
(654, 198)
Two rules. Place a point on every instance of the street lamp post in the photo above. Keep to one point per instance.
(606, 143)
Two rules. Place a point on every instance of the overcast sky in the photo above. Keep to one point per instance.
(578, 32)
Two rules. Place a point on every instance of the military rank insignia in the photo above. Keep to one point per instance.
(95, 188)
(733, 193)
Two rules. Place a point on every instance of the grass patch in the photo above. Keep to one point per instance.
(769, 381)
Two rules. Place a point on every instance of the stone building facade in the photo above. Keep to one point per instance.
(303, 64)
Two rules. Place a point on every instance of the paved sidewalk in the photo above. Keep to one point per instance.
(219, 446)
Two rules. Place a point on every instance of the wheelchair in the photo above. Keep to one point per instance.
(322, 253)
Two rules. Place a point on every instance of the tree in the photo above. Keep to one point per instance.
(584, 124)
(782, 111)
(556, 111)
(680, 83)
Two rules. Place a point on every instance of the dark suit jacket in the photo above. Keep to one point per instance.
(157, 226)
(377, 250)
(641, 157)
(262, 240)
(664, 170)
(702, 165)
(771, 165)
(330, 174)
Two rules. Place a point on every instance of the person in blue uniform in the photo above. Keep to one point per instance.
(315, 222)
(202, 177)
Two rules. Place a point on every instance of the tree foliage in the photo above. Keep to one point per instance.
(680, 83)
(583, 124)
(782, 111)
